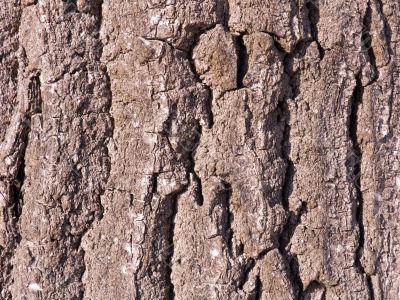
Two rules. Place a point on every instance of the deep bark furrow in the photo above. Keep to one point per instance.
(355, 165)
(242, 60)
(366, 44)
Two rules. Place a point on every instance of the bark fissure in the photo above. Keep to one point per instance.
(242, 60)
(170, 254)
(244, 276)
(16, 178)
(258, 289)
(208, 104)
(229, 217)
(386, 26)
(293, 218)
(194, 177)
(313, 287)
(313, 17)
(354, 163)
(366, 42)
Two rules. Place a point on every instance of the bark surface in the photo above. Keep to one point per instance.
(199, 149)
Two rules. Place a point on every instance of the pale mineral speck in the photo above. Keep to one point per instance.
(214, 252)
(34, 287)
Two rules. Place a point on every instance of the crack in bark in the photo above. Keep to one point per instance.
(366, 44)
(228, 236)
(170, 254)
(170, 201)
(354, 162)
(194, 177)
(244, 276)
(242, 60)
(386, 27)
(16, 179)
(258, 289)
(294, 218)
(189, 57)
(313, 17)
(314, 286)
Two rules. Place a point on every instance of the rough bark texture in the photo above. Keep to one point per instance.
(199, 149)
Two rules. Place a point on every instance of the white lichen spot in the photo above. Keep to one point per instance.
(128, 248)
(35, 287)
(155, 19)
(127, 269)
(150, 139)
(30, 244)
(398, 183)
(8, 161)
(214, 252)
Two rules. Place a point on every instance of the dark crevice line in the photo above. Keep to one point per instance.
(168, 211)
(70, 6)
(366, 41)
(386, 26)
(196, 180)
(283, 117)
(258, 288)
(138, 295)
(154, 185)
(242, 60)
(313, 287)
(228, 236)
(16, 182)
(354, 164)
(248, 118)
(189, 56)
(370, 287)
(313, 17)
(170, 252)
(198, 188)
(192, 178)
(173, 209)
(35, 106)
(223, 7)
(244, 276)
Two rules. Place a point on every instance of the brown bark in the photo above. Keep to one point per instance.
(199, 149)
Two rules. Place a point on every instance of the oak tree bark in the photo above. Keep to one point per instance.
(199, 149)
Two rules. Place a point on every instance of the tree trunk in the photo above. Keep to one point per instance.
(199, 149)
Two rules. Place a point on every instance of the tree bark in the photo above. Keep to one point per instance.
(199, 149)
